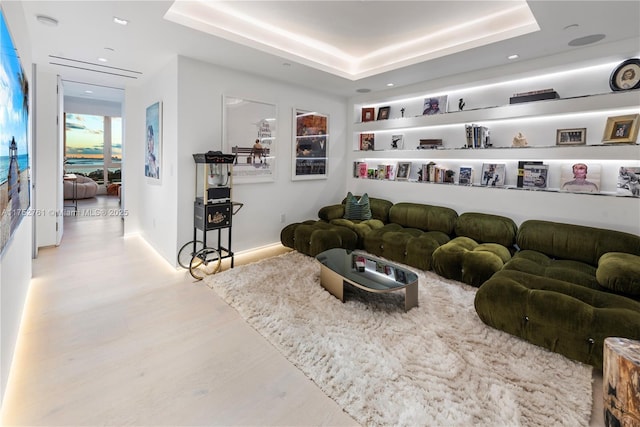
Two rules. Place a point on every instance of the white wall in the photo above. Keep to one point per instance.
(201, 90)
(192, 92)
(15, 264)
(152, 204)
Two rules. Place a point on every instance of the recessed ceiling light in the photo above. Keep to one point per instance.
(47, 20)
(582, 41)
(514, 56)
(110, 49)
(389, 84)
(102, 59)
(363, 90)
(120, 21)
(286, 64)
(571, 27)
(88, 91)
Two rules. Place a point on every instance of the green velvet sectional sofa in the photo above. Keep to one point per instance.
(561, 286)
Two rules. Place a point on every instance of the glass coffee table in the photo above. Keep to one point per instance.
(366, 272)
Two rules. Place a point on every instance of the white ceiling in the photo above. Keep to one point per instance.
(86, 31)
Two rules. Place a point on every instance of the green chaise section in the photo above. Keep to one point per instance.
(484, 243)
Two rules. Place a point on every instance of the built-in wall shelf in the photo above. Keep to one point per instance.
(556, 107)
(584, 152)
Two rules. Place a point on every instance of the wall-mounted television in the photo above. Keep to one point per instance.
(14, 145)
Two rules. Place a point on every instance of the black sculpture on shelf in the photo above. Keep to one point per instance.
(461, 104)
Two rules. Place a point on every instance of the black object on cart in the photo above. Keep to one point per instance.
(213, 210)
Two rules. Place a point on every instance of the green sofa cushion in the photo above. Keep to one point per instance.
(486, 228)
(575, 242)
(620, 273)
(537, 263)
(357, 208)
(424, 217)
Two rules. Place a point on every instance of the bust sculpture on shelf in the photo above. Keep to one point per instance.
(519, 140)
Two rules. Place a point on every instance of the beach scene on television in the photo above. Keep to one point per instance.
(14, 123)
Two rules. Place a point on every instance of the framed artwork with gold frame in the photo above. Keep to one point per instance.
(621, 129)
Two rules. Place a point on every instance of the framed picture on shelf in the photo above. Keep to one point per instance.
(621, 129)
(626, 75)
(402, 173)
(397, 142)
(383, 113)
(368, 114)
(576, 136)
(465, 177)
(580, 178)
(493, 174)
(435, 105)
(629, 181)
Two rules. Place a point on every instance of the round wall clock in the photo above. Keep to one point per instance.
(626, 76)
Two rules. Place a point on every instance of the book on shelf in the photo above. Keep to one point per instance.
(362, 169)
(535, 176)
(476, 136)
(433, 172)
(371, 173)
(493, 174)
(391, 172)
(521, 165)
(382, 172)
(465, 175)
(367, 141)
(629, 181)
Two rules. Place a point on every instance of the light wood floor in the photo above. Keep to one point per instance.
(113, 335)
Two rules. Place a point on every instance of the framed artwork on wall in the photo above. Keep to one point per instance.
(621, 129)
(153, 142)
(250, 132)
(310, 145)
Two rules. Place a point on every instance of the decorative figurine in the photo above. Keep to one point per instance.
(461, 104)
(402, 111)
(519, 140)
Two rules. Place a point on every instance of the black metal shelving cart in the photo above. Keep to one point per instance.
(213, 210)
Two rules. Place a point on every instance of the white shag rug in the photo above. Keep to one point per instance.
(436, 365)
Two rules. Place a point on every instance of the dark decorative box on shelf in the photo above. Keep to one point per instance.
(538, 95)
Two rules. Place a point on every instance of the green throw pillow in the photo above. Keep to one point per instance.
(357, 210)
